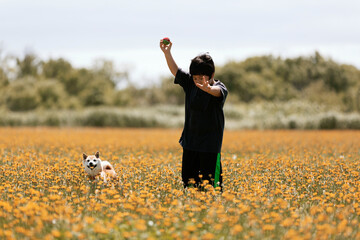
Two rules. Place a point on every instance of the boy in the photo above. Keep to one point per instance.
(202, 135)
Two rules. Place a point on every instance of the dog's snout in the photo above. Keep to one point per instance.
(92, 165)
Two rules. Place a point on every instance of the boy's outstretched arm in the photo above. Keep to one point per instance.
(204, 85)
(169, 59)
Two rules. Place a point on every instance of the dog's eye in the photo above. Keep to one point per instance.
(88, 160)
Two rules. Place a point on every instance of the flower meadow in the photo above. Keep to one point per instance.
(277, 185)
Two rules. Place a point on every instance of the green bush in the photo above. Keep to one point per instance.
(292, 115)
(52, 94)
(353, 124)
(97, 93)
(116, 118)
(4, 81)
(21, 95)
(328, 122)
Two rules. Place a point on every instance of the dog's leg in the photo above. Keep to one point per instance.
(103, 174)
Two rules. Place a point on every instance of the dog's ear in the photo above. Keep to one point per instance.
(97, 154)
(84, 156)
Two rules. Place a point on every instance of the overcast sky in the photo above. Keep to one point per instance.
(128, 32)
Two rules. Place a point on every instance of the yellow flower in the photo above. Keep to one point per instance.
(287, 222)
(268, 227)
(329, 209)
(208, 236)
(218, 227)
(236, 229)
(68, 234)
(55, 233)
(141, 225)
(98, 228)
(191, 228)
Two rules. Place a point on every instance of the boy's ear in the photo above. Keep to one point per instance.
(212, 76)
(84, 156)
(97, 154)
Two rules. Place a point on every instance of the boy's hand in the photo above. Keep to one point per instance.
(203, 83)
(165, 48)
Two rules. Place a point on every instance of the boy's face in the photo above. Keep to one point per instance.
(201, 79)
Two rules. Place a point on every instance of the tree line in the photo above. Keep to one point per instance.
(29, 83)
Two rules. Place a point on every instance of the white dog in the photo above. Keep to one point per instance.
(94, 166)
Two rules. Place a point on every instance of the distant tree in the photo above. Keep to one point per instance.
(7, 66)
(298, 72)
(123, 98)
(28, 66)
(318, 66)
(77, 81)
(106, 69)
(96, 86)
(4, 81)
(255, 79)
(232, 75)
(51, 93)
(134, 96)
(258, 64)
(21, 95)
(172, 93)
(97, 92)
(56, 69)
(335, 77)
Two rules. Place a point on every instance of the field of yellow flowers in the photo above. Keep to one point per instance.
(278, 185)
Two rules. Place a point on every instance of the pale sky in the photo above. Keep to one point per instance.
(128, 32)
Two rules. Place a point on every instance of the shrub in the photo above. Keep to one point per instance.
(21, 95)
(116, 118)
(97, 93)
(328, 122)
(51, 93)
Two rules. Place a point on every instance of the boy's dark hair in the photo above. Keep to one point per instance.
(202, 65)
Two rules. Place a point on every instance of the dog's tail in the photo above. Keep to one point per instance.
(108, 169)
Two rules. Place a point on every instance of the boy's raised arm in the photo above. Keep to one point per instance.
(169, 59)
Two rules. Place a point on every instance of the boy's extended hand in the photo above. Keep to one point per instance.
(165, 48)
(204, 84)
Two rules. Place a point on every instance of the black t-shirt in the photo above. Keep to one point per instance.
(204, 116)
